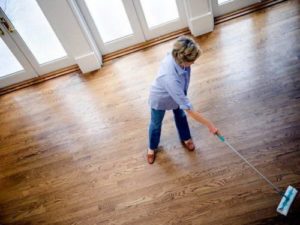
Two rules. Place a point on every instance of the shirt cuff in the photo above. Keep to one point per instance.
(187, 106)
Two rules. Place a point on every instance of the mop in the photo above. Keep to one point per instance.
(287, 197)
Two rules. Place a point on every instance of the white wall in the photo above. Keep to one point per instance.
(200, 16)
(66, 26)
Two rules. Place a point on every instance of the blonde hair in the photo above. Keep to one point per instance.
(185, 49)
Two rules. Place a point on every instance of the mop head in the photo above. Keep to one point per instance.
(287, 200)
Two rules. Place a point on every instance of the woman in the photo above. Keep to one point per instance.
(169, 92)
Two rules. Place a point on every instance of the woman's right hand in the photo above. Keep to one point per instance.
(198, 117)
(211, 127)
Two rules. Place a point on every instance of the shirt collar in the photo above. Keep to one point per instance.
(179, 69)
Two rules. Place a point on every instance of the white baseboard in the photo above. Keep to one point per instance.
(88, 62)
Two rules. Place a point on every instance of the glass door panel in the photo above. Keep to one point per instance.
(112, 27)
(159, 17)
(220, 2)
(8, 62)
(156, 14)
(113, 23)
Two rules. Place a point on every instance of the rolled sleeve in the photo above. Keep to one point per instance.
(175, 90)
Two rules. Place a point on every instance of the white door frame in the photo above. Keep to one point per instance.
(230, 6)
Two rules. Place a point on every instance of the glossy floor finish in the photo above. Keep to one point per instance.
(72, 149)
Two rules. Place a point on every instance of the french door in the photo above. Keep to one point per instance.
(221, 7)
(29, 46)
(14, 66)
(117, 24)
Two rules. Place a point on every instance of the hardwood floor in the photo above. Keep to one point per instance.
(72, 149)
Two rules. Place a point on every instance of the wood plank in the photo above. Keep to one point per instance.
(39, 79)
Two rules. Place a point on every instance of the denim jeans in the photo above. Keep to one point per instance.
(156, 123)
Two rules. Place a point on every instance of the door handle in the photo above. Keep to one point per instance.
(7, 25)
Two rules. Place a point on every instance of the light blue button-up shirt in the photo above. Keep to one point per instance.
(169, 89)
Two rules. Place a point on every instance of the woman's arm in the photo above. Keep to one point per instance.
(199, 118)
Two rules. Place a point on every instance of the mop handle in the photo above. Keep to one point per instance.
(256, 170)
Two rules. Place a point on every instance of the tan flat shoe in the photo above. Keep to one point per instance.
(151, 158)
(189, 145)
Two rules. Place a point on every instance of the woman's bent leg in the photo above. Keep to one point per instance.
(182, 124)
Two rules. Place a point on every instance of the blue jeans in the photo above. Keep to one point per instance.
(156, 122)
